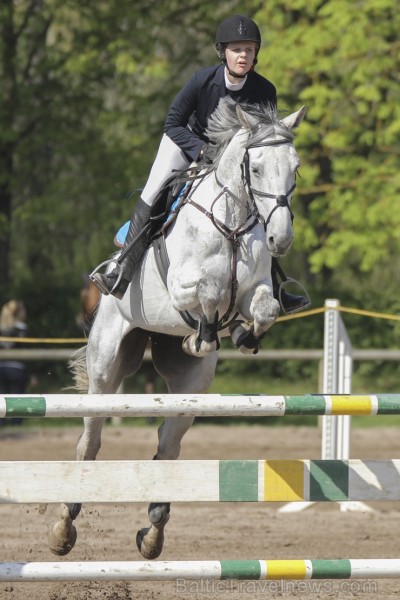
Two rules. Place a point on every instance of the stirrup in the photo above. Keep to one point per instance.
(307, 299)
(102, 265)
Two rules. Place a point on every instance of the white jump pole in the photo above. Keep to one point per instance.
(181, 571)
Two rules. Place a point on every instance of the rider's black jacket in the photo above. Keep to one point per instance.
(186, 121)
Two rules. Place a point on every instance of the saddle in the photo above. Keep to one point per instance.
(163, 211)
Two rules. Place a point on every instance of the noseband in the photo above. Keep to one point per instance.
(281, 200)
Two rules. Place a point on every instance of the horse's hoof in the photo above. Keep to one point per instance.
(62, 538)
(159, 513)
(245, 350)
(74, 510)
(189, 346)
(243, 337)
(152, 550)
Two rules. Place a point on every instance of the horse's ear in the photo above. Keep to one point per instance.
(295, 119)
(244, 118)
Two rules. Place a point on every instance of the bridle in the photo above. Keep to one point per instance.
(282, 200)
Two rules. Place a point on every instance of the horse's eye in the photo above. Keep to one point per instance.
(255, 170)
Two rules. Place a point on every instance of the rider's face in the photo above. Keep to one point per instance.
(240, 56)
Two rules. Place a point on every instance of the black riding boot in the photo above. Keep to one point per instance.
(289, 302)
(136, 242)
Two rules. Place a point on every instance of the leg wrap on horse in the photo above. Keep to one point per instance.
(207, 332)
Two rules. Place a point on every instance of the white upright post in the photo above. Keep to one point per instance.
(337, 380)
(337, 373)
(330, 386)
(330, 379)
(338, 367)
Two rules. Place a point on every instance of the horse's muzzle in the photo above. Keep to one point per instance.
(279, 246)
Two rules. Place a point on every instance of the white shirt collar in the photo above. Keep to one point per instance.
(235, 87)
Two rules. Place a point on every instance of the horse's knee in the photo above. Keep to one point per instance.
(183, 294)
(211, 292)
(264, 310)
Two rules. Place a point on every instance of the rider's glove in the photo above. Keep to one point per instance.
(207, 153)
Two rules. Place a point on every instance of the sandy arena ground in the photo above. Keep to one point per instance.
(210, 531)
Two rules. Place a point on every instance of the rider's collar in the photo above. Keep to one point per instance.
(234, 87)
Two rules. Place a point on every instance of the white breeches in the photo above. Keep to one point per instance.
(169, 158)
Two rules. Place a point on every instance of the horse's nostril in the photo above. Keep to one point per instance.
(271, 239)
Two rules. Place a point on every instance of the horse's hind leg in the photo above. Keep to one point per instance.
(63, 535)
(183, 374)
(150, 540)
(107, 367)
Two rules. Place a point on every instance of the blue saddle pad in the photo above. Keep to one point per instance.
(120, 236)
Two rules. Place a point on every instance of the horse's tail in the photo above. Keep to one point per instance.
(77, 365)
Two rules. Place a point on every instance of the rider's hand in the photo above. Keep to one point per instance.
(207, 153)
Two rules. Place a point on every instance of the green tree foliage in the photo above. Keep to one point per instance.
(85, 89)
(342, 59)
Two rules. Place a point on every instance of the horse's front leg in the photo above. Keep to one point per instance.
(63, 535)
(210, 293)
(264, 311)
(150, 540)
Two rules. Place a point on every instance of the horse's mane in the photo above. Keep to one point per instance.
(224, 123)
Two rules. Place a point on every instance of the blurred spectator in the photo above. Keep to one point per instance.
(89, 299)
(14, 375)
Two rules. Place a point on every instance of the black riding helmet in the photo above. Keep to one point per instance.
(234, 29)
